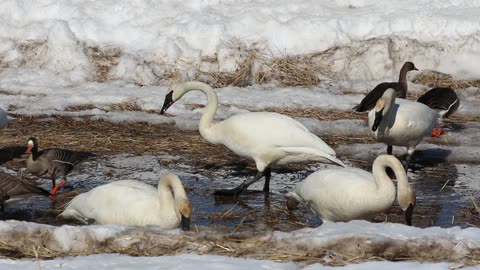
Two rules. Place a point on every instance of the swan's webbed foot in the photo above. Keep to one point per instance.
(389, 149)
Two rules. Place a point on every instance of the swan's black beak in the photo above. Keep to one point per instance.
(409, 214)
(378, 119)
(185, 223)
(167, 103)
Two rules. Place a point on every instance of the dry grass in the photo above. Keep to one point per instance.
(127, 105)
(83, 134)
(103, 59)
(240, 77)
(84, 107)
(435, 79)
(286, 70)
(320, 114)
(290, 71)
(105, 138)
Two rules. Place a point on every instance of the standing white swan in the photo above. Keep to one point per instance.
(401, 122)
(266, 137)
(343, 194)
(131, 202)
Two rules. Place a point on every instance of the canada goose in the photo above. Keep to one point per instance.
(131, 202)
(400, 87)
(443, 99)
(266, 137)
(400, 122)
(343, 194)
(52, 163)
(13, 189)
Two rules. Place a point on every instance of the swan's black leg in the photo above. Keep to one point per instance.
(407, 162)
(389, 149)
(409, 214)
(239, 189)
(267, 173)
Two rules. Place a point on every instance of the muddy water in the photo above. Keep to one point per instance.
(444, 193)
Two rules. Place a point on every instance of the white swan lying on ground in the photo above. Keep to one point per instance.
(132, 202)
(343, 194)
(267, 138)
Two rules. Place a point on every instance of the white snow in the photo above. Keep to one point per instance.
(200, 262)
(152, 35)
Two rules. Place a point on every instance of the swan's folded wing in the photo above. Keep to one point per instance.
(266, 129)
(303, 151)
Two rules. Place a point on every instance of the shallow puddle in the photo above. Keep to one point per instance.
(444, 193)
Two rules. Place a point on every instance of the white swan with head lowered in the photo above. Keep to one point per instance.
(401, 122)
(343, 194)
(131, 202)
(266, 137)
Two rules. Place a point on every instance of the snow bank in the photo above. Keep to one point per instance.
(383, 239)
(355, 239)
(368, 39)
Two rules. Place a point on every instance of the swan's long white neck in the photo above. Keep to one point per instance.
(206, 122)
(389, 101)
(384, 182)
(170, 190)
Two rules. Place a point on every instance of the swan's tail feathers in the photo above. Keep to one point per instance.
(299, 154)
(74, 214)
(337, 161)
(451, 109)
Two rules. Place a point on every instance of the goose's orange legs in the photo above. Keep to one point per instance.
(57, 187)
(437, 132)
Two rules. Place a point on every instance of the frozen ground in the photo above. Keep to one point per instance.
(90, 58)
(193, 262)
(330, 243)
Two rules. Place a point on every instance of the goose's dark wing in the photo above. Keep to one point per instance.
(12, 186)
(441, 99)
(369, 101)
(70, 158)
